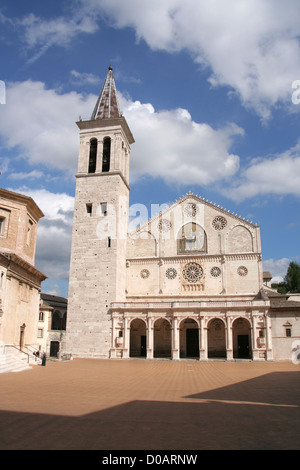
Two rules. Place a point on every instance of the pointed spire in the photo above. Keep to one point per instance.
(107, 106)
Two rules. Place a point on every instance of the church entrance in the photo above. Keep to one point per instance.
(241, 331)
(54, 348)
(189, 339)
(243, 346)
(192, 343)
(22, 334)
(216, 339)
(137, 338)
(162, 338)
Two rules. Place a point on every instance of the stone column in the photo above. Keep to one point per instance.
(126, 338)
(269, 344)
(255, 350)
(229, 345)
(175, 339)
(99, 155)
(203, 338)
(254, 332)
(113, 330)
(150, 339)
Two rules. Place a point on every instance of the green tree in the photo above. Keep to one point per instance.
(281, 287)
(291, 281)
(292, 278)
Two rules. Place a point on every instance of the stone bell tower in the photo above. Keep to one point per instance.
(98, 253)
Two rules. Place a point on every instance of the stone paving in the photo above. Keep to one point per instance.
(90, 404)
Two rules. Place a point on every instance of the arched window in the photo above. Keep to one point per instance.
(56, 321)
(93, 155)
(106, 154)
(191, 239)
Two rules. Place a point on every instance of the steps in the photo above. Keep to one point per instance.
(13, 362)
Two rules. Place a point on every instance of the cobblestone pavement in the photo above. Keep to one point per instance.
(162, 405)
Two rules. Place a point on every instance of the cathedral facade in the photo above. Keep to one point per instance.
(187, 283)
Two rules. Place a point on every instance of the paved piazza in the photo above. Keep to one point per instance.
(159, 405)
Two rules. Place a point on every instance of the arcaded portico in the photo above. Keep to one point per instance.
(200, 330)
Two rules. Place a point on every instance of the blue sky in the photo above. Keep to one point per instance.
(206, 87)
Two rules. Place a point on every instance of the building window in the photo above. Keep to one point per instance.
(4, 222)
(41, 316)
(2, 276)
(2, 225)
(288, 332)
(103, 207)
(29, 232)
(58, 321)
(191, 239)
(89, 208)
(40, 333)
(93, 155)
(106, 154)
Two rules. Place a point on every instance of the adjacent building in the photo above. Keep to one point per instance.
(52, 324)
(20, 281)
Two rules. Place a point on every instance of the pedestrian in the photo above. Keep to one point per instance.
(44, 360)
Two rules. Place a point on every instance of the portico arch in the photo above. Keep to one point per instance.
(162, 338)
(216, 338)
(189, 339)
(137, 338)
(241, 336)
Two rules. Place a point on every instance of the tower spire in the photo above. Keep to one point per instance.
(107, 106)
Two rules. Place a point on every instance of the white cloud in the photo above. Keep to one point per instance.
(84, 78)
(277, 268)
(32, 175)
(54, 232)
(55, 206)
(279, 175)
(40, 123)
(40, 34)
(251, 46)
(4, 165)
(170, 145)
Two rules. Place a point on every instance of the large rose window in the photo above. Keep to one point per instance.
(192, 272)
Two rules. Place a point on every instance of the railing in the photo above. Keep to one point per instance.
(34, 353)
(18, 349)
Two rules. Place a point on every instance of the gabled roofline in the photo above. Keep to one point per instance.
(197, 198)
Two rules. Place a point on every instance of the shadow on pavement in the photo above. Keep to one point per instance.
(262, 413)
